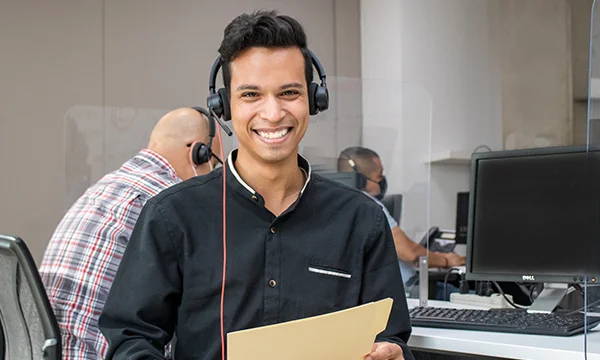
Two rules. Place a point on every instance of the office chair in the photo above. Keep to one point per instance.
(26, 317)
(393, 204)
(1, 343)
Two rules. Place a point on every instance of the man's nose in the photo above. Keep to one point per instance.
(272, 109)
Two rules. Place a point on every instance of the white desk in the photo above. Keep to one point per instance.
(495, 344)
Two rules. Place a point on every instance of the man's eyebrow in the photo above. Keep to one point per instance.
(247, 87)
(293, 85)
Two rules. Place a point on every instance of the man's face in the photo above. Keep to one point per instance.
(269, 102)
(376, 175)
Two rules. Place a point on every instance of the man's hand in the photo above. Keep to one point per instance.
(385, 351)
(454, 259)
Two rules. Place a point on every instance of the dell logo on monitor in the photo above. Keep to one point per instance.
(529, 277)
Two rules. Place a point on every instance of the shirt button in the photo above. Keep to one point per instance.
(254, 197)
(273, 230)
(272, 283)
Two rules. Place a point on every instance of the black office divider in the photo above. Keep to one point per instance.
(393, 204)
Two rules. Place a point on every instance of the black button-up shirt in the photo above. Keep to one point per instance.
(331, 250)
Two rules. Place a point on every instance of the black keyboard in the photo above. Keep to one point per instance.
(502, 320)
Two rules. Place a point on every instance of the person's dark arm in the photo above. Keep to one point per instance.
(382, 279)
(139, 316)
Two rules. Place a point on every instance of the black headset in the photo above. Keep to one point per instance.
(201, 153)
(362, 179)
(218, 101)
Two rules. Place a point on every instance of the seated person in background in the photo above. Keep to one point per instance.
(83, 255)
(367, 163)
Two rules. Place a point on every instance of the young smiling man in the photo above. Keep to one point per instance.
(298, 245)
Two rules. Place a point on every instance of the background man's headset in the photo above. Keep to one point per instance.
(362, 178)
(218, 101)
(218, 105)
(201, 152)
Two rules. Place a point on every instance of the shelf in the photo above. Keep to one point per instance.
(451, 157)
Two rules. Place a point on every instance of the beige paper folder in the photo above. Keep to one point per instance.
(346, 335)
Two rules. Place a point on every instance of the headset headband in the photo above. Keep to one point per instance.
(211, 121)
(319, 67)
(212, 79)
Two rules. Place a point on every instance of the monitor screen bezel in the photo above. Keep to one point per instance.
(512, 277)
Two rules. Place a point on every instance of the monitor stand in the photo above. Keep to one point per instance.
(549, 298)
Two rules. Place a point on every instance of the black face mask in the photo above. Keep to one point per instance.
(382, 188)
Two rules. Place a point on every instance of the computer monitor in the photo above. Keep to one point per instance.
(347, 178)
(534, 216)
(462, 217)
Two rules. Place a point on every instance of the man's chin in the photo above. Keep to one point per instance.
(275, 156)
(269, 154)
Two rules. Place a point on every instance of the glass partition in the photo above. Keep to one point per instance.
(99, 140)
(591, 291)
(391, 118)
(481, 76)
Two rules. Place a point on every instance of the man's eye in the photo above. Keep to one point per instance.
(249, 94)
(290, 93)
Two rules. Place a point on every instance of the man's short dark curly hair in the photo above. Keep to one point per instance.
(262, 29)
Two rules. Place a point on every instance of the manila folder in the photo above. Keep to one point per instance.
(346, 335)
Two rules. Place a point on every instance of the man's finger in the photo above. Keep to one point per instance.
(385, 351)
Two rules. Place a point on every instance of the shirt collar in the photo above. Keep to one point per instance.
(302, 164)
(155, 158)
(371, 196)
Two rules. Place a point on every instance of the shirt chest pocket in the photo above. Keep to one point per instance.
(330, 286)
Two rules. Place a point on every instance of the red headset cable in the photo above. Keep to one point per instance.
(224, 247)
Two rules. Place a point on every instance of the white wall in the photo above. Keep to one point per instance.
(533, 47)
(443, 47)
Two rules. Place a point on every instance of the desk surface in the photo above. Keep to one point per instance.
(495, 344)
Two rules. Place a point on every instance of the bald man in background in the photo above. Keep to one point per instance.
(83, 255)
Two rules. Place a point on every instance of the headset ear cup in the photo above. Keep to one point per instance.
(224, 95)
(213, 101)
(322, 98)
(312, 104)
(196, 152)
(204, 154)
(201, 154)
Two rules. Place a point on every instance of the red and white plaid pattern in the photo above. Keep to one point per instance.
(83, 255)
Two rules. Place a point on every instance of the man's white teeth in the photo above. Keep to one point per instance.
(274, 134)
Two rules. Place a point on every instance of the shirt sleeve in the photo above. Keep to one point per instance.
(382, 279)
(139, 316)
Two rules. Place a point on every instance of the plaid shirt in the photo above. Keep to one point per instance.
(83, 255)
